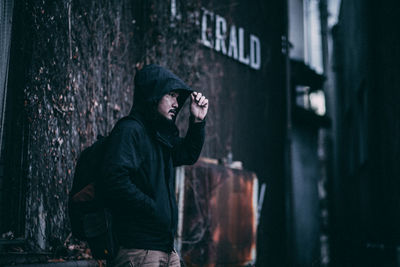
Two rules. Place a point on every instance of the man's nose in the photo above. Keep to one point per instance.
(175, 103)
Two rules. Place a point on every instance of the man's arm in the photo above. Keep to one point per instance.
(188, 151)
(198, 106)
(122, 159)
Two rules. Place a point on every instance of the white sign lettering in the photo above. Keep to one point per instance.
(233, 48)
(220, 34)
(204, 28)
(216, 38)
(255, 55)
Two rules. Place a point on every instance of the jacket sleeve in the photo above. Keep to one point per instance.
(189, 148)
(121, 160)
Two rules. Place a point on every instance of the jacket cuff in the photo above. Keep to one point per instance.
(192, 121)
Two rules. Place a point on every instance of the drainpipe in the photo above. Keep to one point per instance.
(325, 139)
(323, 11)
(288, 142)
(6, 9)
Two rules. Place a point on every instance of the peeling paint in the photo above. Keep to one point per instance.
(41, 238)
(219, 216)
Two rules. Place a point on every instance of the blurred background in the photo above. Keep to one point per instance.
(301, 161)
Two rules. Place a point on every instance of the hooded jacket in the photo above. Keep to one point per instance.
(138, 175)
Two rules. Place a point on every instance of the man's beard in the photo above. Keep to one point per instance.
(166, 127)
(173, 116)
(161, 121)
(161, 124)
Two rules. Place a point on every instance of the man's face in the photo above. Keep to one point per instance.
(168, 105)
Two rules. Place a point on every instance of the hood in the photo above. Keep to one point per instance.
(152, 82)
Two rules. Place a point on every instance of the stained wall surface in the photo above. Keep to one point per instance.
(72, 66)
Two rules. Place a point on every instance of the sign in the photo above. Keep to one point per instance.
(214, 34)
(232, 43)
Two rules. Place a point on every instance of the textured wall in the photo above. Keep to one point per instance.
(80, 82)
(80, 67)
(366, 186)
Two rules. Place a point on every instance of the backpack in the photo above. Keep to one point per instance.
(91, 220)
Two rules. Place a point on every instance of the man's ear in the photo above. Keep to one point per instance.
(139, 65)
(154, 104)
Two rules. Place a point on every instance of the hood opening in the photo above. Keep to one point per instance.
(152, 82)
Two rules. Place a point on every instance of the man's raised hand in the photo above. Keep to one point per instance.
(198, 106)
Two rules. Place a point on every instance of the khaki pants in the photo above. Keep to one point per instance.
(145, 258)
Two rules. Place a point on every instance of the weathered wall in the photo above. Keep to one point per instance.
(83, 58)
(80, 83)
(365, 215)
(80, 72)
(219, 216)
(306, 206)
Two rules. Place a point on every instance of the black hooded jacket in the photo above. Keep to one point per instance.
(138, 175)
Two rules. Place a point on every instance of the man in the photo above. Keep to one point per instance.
(138, 176)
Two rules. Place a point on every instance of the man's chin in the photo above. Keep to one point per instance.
(170, 118)
(167, 117)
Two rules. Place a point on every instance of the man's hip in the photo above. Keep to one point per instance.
(144, 257)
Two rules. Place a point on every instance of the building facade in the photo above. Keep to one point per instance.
(70, 77)
(365, 186)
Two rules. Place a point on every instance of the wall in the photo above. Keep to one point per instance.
(306, 203)
(74, 79)
(365, 189)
